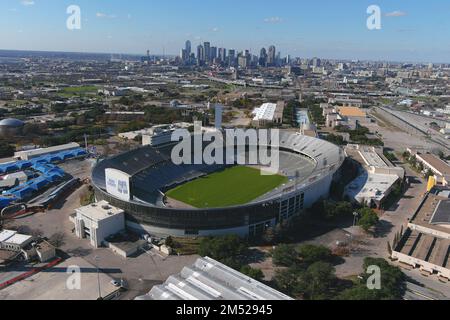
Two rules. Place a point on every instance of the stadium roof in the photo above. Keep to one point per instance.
(208, 279)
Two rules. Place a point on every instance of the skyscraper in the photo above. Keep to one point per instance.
(200, 55)
(183, 55)
(207, 47)
(244, 59)
(271, 58)
(232, 57)
(263, 57)
(223, 54)
(188, 48)
(316, 62)
(213, 53)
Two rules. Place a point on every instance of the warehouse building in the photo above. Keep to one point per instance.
(426, 243)
(440, 168)
(35, 153)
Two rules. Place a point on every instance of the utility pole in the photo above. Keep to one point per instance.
(97, 259)
(86, 142)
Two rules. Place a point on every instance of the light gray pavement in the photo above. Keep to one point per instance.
(52, 284)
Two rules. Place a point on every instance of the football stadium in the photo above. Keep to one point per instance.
(191, 200)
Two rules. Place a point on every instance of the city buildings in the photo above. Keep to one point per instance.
(350, 117)
(208, 55)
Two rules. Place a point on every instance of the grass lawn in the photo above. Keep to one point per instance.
(83, 90)
(231, 187)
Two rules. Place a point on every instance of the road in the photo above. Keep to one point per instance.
(390, 223)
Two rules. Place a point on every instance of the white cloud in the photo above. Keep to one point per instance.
(273, 20)
(396, 14)
(27, 3)
(104, 15)
(215, 29)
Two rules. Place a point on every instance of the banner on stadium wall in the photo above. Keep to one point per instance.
(118, 184)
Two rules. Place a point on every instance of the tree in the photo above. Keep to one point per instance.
(253, 273)
(311, 253)
(316, 281)
(57, 239)
(6, 150)
(284, 255)
(287, 280)
(332, 211)
(429, 174)
(228, 249)
(393, 283)
(368, 219)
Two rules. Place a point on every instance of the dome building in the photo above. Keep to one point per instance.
(11, 127)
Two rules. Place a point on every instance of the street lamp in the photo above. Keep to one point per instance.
(355, 217)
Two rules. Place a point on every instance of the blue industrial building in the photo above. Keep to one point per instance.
(47, 173)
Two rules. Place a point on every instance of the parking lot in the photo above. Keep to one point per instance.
(141, 272)
(58, 284)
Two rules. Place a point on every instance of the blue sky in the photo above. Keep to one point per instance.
(412, 30)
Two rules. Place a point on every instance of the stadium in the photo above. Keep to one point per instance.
(162, 199)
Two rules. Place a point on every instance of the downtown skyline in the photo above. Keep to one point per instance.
(410, 31)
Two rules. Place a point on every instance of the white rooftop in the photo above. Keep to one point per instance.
(6, 234)
(370, 186)
(265, 112)
(371, 157)
(37, 152)
(18, 239)
(99, 211)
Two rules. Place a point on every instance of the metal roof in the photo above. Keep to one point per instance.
(442, 213)
(265, 112)
(208, 279)
(11, 123)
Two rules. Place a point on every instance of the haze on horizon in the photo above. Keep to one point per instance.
(326, 28)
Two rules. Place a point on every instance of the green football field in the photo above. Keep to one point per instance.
(231, 187)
